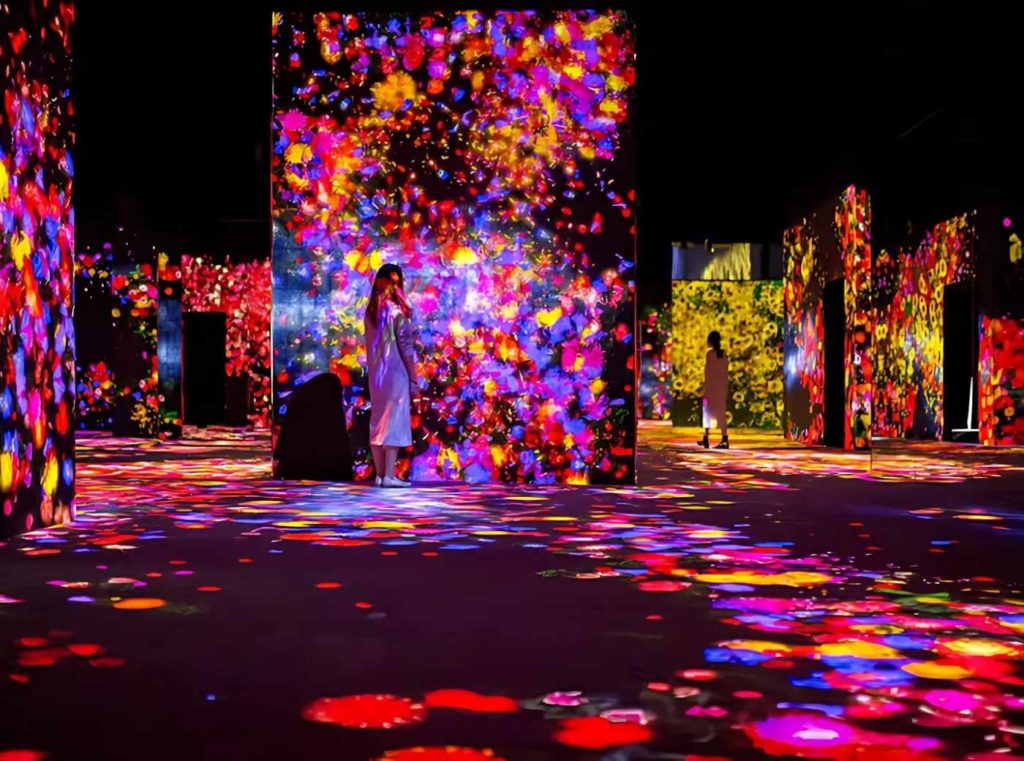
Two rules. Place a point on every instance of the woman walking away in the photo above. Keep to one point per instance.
(391, 362)
(716, 390)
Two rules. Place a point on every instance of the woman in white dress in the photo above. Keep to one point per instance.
(391, 364)
(716, 390)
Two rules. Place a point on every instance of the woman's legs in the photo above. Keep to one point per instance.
(378, 459)
(724, 443)
(390, 458)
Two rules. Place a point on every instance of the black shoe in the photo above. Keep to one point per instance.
(723, 444)
(704, 442)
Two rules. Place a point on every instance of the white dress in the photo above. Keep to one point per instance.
(716, 389)
(386, 343)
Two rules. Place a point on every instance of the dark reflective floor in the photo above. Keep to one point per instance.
(761, 601)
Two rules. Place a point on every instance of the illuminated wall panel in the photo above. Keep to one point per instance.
(37, 336)
(749, 317)
(656, 364)
(1001, 347)
(834, 243)
(910, 290)
(116, 318)
(490, 155)
(169, 343)
(853, 227)
(242, 291)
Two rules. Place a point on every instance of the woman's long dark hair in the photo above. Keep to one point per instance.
(388, 287)
(715, 342)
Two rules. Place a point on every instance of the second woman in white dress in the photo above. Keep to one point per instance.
(716, 391)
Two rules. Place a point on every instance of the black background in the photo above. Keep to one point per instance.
(747, 117)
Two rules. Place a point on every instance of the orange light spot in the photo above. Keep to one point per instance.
(140, 603)
(450, 753)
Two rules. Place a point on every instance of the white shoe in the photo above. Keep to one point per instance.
(391, 482)
(378, 482)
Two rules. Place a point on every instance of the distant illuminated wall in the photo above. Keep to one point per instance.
(37, 336)
(1001, 348)
(749, 317)
(169, 343)
(116, 315)
(490, 155)
(833, 243)
(243, 292)
(910, 290)
(726, 261)
(656, 364)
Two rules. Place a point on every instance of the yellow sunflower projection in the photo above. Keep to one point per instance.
(748, 314)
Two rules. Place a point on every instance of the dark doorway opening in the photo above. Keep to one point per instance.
(204, 368)
(834, 319)
(959, 363)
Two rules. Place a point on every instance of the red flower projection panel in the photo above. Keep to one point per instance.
(910, 290)
(831, 244)
(1001, 402)
(243, 292)
(853, 225)
(1001, 348)
(37, 338)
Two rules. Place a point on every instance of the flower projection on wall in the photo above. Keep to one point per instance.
(37, 336)
(909, 338)
(748, 314)
(853, 226)
(656, 364)
(169, 344)
(243, 292)
(116, 311)
(832, 244)
(1001, 346)
(490, 155)
(1001, 402)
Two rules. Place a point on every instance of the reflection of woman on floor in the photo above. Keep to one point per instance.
(716, 390)
(391, 363)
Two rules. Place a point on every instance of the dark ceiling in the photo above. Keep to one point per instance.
(746, 117)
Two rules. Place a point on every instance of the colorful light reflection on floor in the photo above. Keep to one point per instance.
(743, 603)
